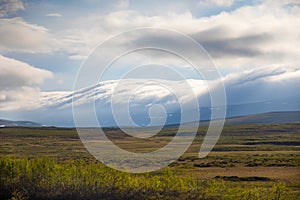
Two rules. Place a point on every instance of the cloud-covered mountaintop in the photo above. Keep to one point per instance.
(272, 89)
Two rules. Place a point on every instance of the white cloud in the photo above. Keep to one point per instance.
(8, 7)
(291, 1)
(219, 3)
(17, 35)
(223, 2)
(53, 15)
(19, 84)
(261, 84)
(146, 91)
(250, 36)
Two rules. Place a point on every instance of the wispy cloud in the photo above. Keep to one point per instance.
(210, 3)
(53, 15)
(17, 35)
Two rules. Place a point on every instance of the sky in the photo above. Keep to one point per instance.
(254, 45)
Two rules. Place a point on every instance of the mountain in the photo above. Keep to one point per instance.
(9, 123)
(263, 118)
(266, 118)
(248, 113)
(113, 100)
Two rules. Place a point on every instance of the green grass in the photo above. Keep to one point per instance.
(44, 178)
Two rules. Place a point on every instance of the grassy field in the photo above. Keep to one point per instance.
(248, 162)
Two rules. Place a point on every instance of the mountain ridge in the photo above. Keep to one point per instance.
(10, 123)
(275, 117)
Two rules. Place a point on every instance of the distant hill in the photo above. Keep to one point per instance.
(9, 123)
(263, 118)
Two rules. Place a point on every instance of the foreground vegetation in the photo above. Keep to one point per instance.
(249, 162)
(43, 178)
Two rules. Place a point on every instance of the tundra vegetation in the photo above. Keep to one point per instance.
(248, 162)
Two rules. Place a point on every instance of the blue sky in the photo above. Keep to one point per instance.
(254, 45)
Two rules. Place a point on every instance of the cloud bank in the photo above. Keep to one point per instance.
(250, 36)
(19, 84)
(275, 84)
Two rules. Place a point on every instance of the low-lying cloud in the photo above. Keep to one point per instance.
(272, 84)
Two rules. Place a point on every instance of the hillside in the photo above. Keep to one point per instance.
(263, 118)
(266, 118)
(9, 123)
